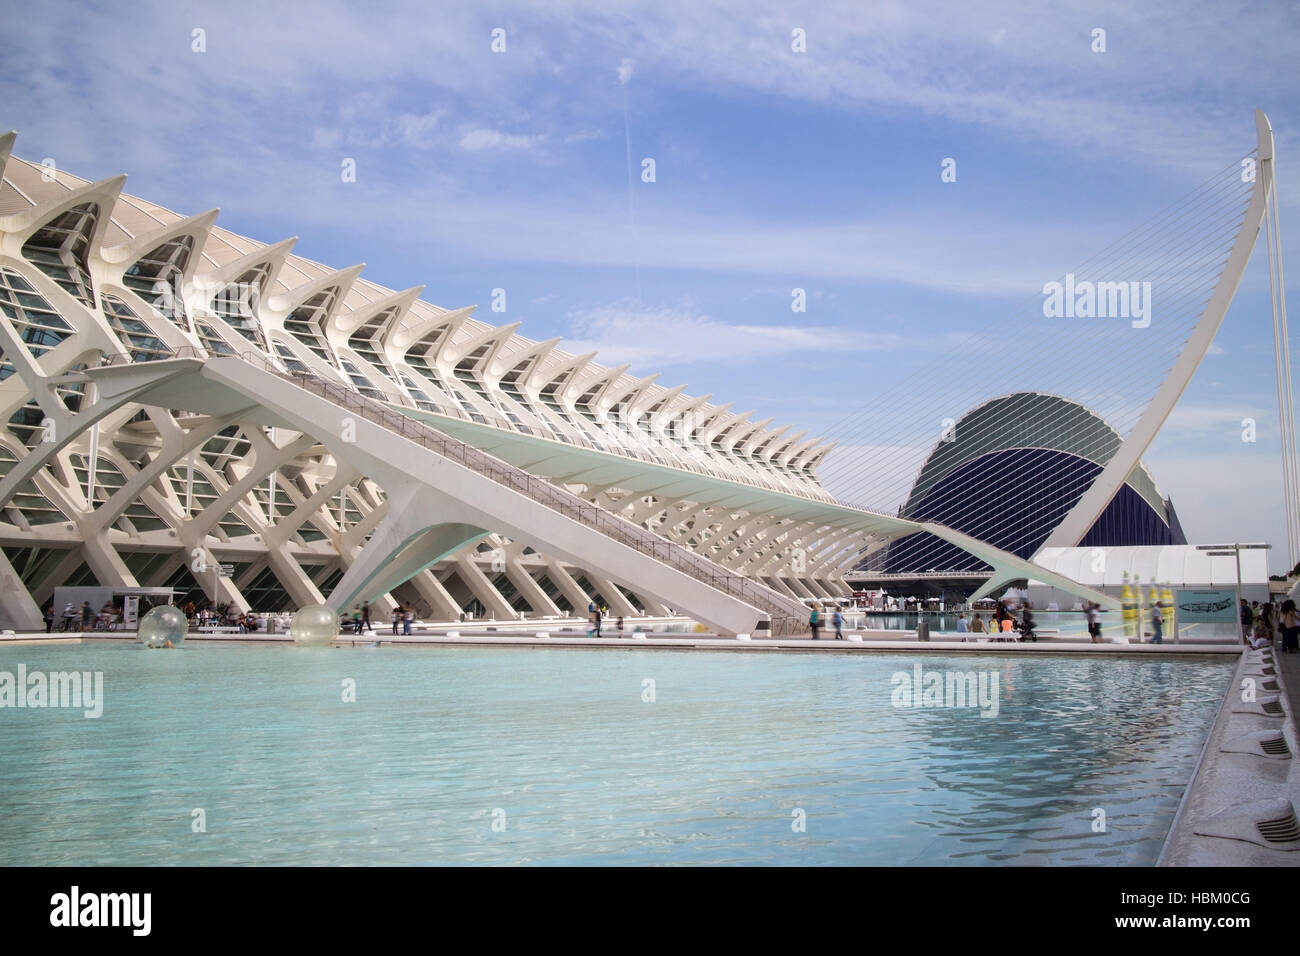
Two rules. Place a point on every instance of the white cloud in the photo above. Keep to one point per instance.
(625, 70)
(415, 129)
(586, 135)
(477, 140)
(1190, 417)
(664, 337)
(322, 138)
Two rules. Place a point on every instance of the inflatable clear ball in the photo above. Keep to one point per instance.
(314, 624)
(164, 626)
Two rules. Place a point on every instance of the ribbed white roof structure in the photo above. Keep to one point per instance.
(396, 343)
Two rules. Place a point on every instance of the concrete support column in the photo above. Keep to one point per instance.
(653, 608)
(797, 586)
(165, 570)
(541, 604)
(778, 583)
(841, 586)
(17, 609)
(106, 563)
(568, 586)
(295, 580)
(218, 590)
(478, 583)
(814, 588)
(618, 604)
(57, 576)
(431, 589)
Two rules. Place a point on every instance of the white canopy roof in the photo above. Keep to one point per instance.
(1177, 565)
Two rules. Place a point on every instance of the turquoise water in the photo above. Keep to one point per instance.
(583, 770)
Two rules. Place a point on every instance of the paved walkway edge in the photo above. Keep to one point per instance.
(1225, 782)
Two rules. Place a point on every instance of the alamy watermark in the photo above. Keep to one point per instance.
(37, 689)
(75, 908)
(228, 298)
(947, 689)
(1101, 300)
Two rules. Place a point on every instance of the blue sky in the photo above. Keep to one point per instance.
(479, 170)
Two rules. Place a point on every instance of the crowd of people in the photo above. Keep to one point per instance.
(1261, 623)
(1004, 620)
(82, 618)
(224, 616)
(108, 617)
(359, 621)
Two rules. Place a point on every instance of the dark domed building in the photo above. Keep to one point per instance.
(1010, 471)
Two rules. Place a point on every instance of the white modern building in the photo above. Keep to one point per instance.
(176, 398)
(1243, 570)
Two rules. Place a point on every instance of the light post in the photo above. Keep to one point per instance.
(1227, 551)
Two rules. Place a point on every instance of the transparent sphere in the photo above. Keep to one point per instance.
(314, 624)
(163, 626)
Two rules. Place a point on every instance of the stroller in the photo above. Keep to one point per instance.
(1025, 628)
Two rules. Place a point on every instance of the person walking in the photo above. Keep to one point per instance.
(49, 617)
(837, 619)
(87, 616)
(408, 615)
(1157, 624)
(815, 620)
(1094, 621)
(1246, 621)
(365, 616)
(397, 617)
(1290, 623)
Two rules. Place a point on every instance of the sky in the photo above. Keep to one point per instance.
(522, 168)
